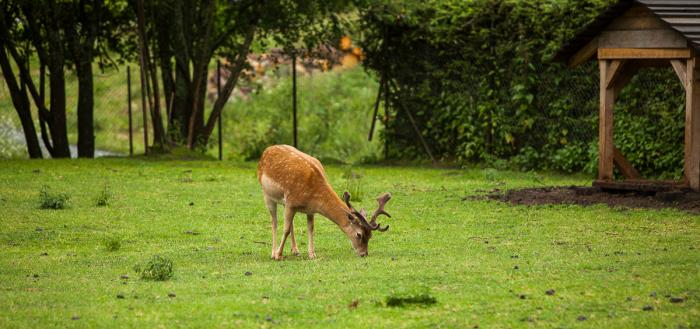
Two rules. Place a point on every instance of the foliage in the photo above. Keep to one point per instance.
(228, 30)
(158, 268)
(603, 263)
(52, 200)
(478, 78)
(334, 110)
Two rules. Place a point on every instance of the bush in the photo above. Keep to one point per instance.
(158, 268)
(478, 79)
(50, 200)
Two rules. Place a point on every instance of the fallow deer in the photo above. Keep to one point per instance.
(298, 181)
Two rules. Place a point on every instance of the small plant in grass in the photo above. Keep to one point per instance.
(51, 200)
(353, 184)
(112, 243)
(422, 299)
(158, 268)
(102, 199)
(214, 178)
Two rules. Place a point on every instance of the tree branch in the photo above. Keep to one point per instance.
(230, 83)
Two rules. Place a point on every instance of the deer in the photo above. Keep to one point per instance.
(298, 181)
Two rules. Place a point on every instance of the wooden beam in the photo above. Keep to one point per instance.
(584, 54)
(635, 53)
(658, 38)
(613, 72)
(655, 62)
(624, 76)
(680, 69)
(692, 125)
(625, 166)
(605, 125)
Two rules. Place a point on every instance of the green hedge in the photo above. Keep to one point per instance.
(478, 78)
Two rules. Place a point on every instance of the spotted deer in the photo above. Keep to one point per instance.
(298, 181)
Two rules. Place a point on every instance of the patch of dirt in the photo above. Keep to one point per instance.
(585, 196)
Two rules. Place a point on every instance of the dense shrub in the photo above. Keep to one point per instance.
(478, 78)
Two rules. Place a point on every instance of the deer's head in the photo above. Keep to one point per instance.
(362, 230)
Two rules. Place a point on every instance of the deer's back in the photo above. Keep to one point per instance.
(285, 172)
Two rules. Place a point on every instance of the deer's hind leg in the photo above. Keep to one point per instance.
(310, 227)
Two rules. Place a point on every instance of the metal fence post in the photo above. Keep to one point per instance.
(294, 95)
(131, 137)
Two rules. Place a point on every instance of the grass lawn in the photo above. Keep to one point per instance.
(485, 263)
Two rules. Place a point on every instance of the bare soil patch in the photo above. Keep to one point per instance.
(585, 196)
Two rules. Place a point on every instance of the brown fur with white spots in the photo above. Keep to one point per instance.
(298, 181)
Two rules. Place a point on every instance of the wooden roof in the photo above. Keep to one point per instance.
(680, 15)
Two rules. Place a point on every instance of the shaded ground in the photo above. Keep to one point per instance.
(586, 196)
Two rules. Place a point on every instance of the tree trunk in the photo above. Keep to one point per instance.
(20, 100)
(159, 137)
(226, 91)
(57, 83)
(200, 62)
(86, 130)
(181, 105)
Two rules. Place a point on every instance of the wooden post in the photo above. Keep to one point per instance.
(128, 92)
(692, 125)
(218, 94)
(605, 126)
(376, 107)
(294, 96)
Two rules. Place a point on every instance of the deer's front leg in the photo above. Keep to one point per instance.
(272, 207)
(288, 220)
(310, 228)
(295, 249)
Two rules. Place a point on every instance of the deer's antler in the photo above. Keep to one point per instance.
(382, 200)
(362, 215)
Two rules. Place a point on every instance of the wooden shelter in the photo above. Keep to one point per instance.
(627, 36)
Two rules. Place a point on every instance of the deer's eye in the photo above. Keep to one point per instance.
(359, 236)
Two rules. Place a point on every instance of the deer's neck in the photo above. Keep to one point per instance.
(334, 209)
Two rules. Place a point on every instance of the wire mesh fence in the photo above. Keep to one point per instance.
(334, 105)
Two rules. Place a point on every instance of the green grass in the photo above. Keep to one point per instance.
(208, 218)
